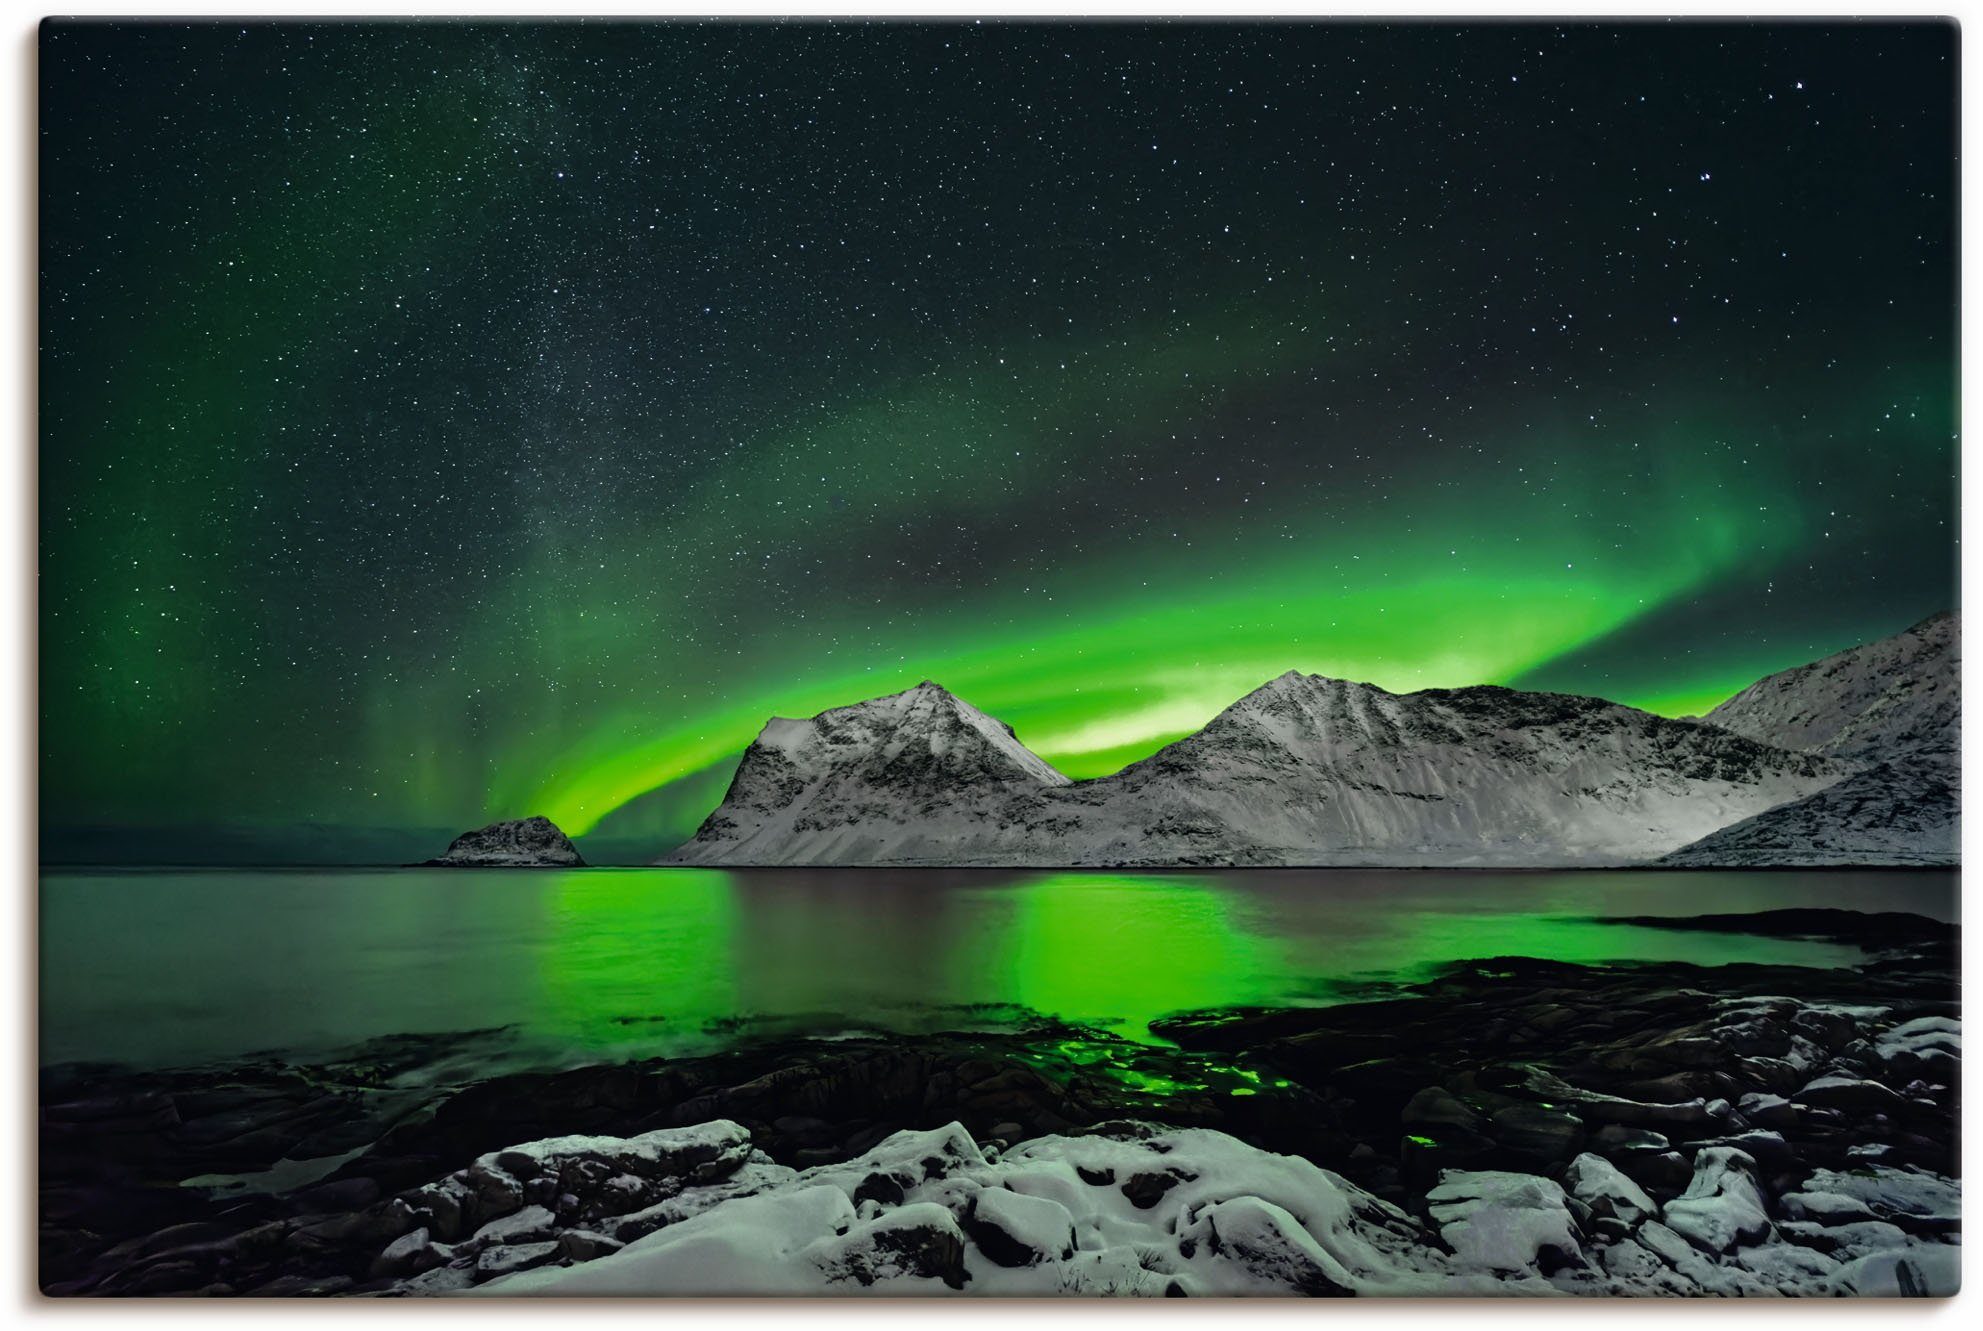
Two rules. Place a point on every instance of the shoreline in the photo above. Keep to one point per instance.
(1036, 868)
(1508, 1065)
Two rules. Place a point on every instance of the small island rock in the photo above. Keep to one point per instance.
(520, 843)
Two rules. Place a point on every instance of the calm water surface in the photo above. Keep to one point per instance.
(171, 966)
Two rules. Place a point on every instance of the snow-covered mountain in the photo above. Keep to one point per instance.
(912, 777)
(1874, 701)
(1307, 769)
(1893, 813)
(1304, 770)
(1892, 709)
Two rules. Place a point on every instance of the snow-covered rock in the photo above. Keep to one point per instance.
(1511, 1223)
(1303, 770)
(1724, 1207)
(1611, 1196)
(522, 843)
(932, 1212)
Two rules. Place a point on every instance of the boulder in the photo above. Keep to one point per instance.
(1506, 1222)
(1723, 1207)
(1610, 1195)
(1013, 1229)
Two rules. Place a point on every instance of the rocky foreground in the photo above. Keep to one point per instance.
(1515, 1126)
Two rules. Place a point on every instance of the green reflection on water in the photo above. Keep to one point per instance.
(683, 958)
(626, 953)
(171, 967)
(1121, 951)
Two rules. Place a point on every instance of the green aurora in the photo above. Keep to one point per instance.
(450, 423)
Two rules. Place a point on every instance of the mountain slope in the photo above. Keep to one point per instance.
(1308, 769)
(1888, 814)
(1892, 708)
(1304, 770)
(1869, 702)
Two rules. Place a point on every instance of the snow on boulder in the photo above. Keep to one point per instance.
(906, 1247)
(745, 1246)
(1925, 1047)
(1723, 1207)
(1911, 1198)
(931, 1212)
(1269, 1245)
(1505, 1222)
(1852, 1094)
(1599, 1185)
(1927, 1271)
(1014, 1229)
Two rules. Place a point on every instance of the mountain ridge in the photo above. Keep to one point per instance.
(1304, 769)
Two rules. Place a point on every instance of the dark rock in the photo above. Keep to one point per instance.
(582, 1245)
(1437, 1107)
(885, 1189)
(1616, 1139)
(929, 1250)
(299, 1286)
(348, 1194)
(1665, 1175)
(1545, 1135)
(1147, 1189)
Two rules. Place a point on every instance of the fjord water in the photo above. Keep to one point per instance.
(168, 967)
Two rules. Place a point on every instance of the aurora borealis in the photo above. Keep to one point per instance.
(450, 422)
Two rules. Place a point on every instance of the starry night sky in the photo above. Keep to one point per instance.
(449, 422)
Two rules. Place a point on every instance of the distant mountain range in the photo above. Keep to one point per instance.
(1850, 760)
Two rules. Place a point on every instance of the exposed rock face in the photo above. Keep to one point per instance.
(523, 843)
(1892, 709)
(1304, 770)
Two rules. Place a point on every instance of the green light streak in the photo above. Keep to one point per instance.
(1137, 663)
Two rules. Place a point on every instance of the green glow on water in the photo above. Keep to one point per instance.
(165, 967)
(651, 968)
(1122, 950)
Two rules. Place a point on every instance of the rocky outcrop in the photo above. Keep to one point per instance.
(522, 843)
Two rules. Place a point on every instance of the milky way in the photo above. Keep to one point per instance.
(453, 422)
